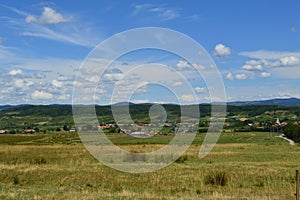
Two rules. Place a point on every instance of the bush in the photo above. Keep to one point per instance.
(16, 180)
(181, 159)
(219, 178)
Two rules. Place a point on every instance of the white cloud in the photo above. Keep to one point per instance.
(229, 76)
(163, 13)
(182, 64)
(15, 72)
(57, 83)
(63, 97)
(49, 16)
(294, 29)
(177, 84)
(41, 95)
(70, 33)
(252, 67)
(31, 18)
(221, 50)
(19, 83)
(138, 101)
(43, 32)
(199, 67)
(187, 98)
(199, 89)
(286, 61)
(265, 74)
(241, 76)
(113, 77)
(270, 55)
(169, 14)
(64, 78)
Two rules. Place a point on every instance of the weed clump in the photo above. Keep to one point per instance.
(219, 178)
(16, 180)
(39, 161)
(182, 159)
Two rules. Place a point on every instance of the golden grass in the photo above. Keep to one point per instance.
(70, 172)
(254, 171)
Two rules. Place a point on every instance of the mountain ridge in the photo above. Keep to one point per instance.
(276, 101)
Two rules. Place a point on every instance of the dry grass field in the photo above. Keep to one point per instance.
(57, 166)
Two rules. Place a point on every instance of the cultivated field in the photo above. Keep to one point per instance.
(57, 166)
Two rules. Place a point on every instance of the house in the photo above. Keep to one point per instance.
(27, 131)
(4, 131)
(72, 130)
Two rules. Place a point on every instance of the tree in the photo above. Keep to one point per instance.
(292, 131)
(66, 127)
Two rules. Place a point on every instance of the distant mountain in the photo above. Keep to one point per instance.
(57, 107)
(4, 107)
(125, 103)
(278, 102)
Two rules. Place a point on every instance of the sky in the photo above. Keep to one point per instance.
(255, 46)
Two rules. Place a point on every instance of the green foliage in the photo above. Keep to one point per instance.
(293, 132)
(54, 117)
(16, 180)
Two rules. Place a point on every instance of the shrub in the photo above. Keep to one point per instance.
(39, 161)
(16, 180)
(181, 159)
(216, 178)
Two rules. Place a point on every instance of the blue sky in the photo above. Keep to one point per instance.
(255, 45)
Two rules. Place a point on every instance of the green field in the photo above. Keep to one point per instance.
(57, 166)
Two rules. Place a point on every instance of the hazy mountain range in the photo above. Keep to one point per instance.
(279, 102)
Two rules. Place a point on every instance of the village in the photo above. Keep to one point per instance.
(145, 129)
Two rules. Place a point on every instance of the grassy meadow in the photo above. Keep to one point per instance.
(57, 166)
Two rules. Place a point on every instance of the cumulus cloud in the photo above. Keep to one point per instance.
(41, 95)
(57, 83)
(241, 76)
(182, 64)
(221, 50)
(286, 61)
(199, 89)
(19, 83)
(252, 65)
(15, 72)
(113, 76)
(265, 74)
(229, 76)
(49, 16)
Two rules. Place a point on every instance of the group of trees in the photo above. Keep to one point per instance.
(292, 132)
